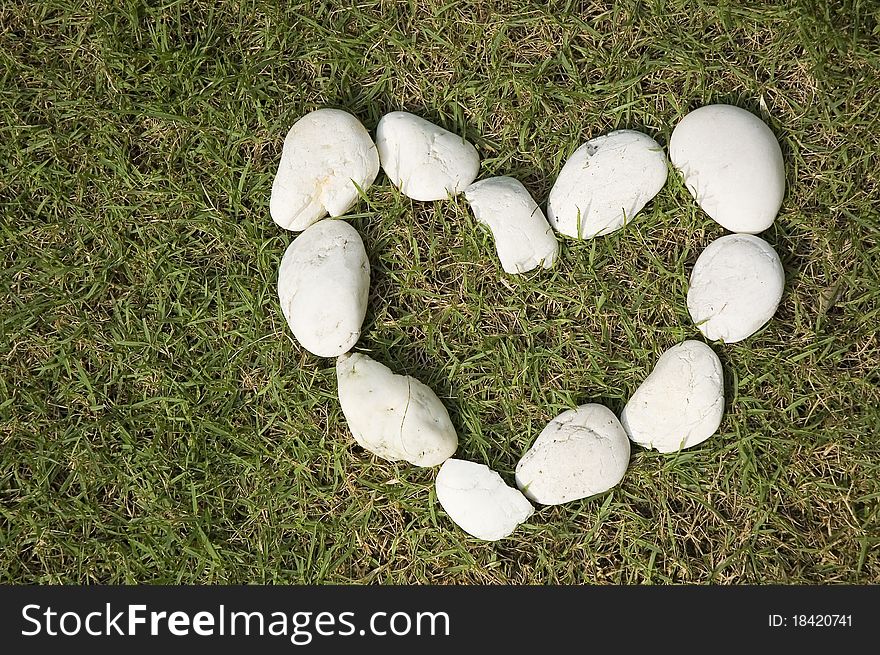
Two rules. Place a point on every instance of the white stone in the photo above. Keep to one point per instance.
(393, 416)
(605, 183)
(735, 287)
(323, 284)
(325, 154)
(423, 160)
(680, 403)
(478, 501)
(732, 165)
(581, 452)
(523, 238)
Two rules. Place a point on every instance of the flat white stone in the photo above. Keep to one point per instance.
(605, 183)
(423, 160)
(735, 287)
(325, 154)
(732, 165)
(523, 238)
(478, 501)
(680, 403)
(393, 416)
(323, 284)
(581, 452)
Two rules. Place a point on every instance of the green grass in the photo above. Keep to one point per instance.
(158, 422)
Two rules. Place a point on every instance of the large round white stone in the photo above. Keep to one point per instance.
(423, 160)
(581, 452)
(323, 284)
(735, 287)
(732, 165)
(478, 501)
(325, 154)
(680, 403)
(523, 238)
(605, 183)
(393, 416)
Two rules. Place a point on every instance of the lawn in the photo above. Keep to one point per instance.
(159, 423)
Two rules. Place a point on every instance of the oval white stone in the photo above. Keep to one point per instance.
(393, 416)
(605, 183)
(478, 501)
(423, 160)
(323, 284)
(735, 287)
(581, 452)
(325, 154)
(732, 165)
(680, 403)
(523, 238)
